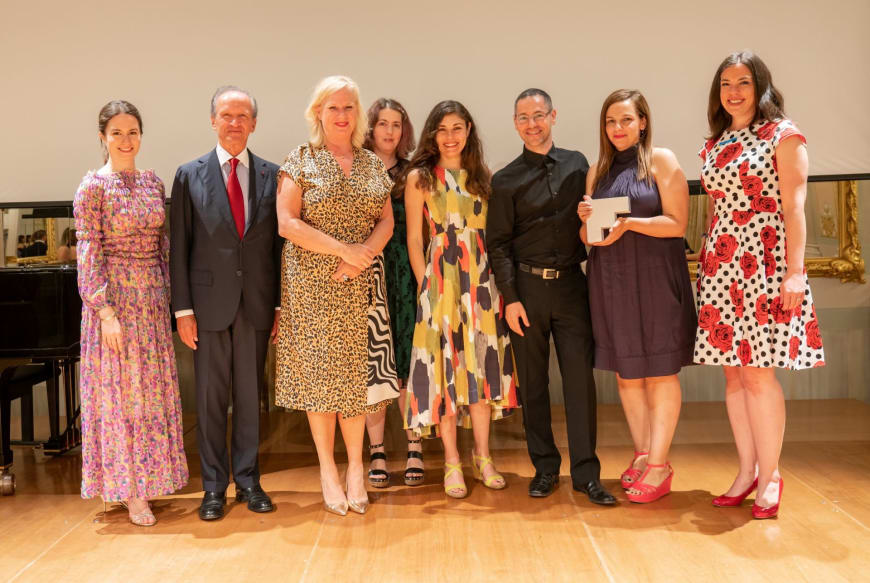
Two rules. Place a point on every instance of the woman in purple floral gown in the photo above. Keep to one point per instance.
(132, 438)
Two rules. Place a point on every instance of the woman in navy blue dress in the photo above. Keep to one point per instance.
(643, 311)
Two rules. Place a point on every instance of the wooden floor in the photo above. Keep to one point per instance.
(48, 533)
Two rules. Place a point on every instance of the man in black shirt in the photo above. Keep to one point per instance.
(533, 238)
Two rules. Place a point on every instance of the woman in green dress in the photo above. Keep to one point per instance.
(391, 138)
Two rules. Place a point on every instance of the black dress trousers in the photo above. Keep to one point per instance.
(230, 362)
(559, 307)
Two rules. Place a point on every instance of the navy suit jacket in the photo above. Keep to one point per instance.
(213, 270)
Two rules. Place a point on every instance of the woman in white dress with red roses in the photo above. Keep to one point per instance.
(755, 311)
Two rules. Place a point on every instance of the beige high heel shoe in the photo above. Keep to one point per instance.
(144, 518)
(339, 508)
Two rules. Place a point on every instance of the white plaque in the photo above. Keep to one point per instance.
(604, 214)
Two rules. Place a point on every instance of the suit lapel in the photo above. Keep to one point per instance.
(256, 183)
(217, 191)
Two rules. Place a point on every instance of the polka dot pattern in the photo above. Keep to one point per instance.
(740, 317)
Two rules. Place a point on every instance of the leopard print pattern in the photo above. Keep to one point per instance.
(323, 342)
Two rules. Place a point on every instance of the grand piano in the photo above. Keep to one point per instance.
(40, 312)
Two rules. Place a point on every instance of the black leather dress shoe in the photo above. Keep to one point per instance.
(212, 507)
(542, 485)
(258, 501)
(596, 492)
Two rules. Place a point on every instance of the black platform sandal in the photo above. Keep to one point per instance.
(378, 478)
(414, 476)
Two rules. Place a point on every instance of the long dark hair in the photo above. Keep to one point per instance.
(427, 155)
(769, 104)
(110, 110)
(606, 151)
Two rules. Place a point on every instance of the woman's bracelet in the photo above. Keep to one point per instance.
(107, 318)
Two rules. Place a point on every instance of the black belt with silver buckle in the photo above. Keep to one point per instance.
(547, 272)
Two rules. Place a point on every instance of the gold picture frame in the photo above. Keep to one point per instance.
(848, 266)
(51, 243)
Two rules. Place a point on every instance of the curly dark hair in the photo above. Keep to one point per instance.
(427, 155)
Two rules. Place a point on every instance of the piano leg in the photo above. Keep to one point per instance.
(53, 405)
(7, 478)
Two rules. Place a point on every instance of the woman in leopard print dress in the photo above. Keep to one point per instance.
(335, 358)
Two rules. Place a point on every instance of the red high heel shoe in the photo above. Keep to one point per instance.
(724, 501)
(770, 511)
(651, 493)
(631, 473)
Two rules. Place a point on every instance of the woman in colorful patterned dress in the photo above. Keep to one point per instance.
(334, 351)
(755, 310)
(132, 438)
(461, 365)
(391, 138)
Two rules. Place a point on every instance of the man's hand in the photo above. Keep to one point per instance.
(187, 330)
(514, 313)
(273, 336)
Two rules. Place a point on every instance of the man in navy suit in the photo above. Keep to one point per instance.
(224, 265)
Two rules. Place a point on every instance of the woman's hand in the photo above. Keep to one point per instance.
(619, 227)
(792, 291)
(110, 329)
(358, 255)
(584, 209)
(345, 271)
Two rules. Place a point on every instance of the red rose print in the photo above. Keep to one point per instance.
(769, 264)
(763, 204)
(736, 298)
(744, 352)
(708, 316)
(819, 364)
(769, 238)
(708, 146)
(773, 163)
(793, 346)
(711, 265)
(779, 315)
(725, 247)
(749, 264)
(742, 217)
(728, 153)
(721, 336)
(761, 310)
(752, 185)
(766, 131)
(713, 193)
(814, 339)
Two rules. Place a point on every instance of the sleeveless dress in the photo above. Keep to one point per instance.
(640, 296)
(132, 436)
(461, 349)
(334, 352)
(401, 285)
(740, 317)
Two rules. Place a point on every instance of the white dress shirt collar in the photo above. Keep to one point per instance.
(224, 156)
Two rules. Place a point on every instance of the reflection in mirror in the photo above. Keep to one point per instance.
(38, 235)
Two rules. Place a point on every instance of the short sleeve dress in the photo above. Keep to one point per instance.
(740, 317)
(335, 353)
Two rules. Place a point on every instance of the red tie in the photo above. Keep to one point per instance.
(237, 202)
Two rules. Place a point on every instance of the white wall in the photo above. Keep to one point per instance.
(62, 61)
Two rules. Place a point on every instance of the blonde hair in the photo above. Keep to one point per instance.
(326, 87)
